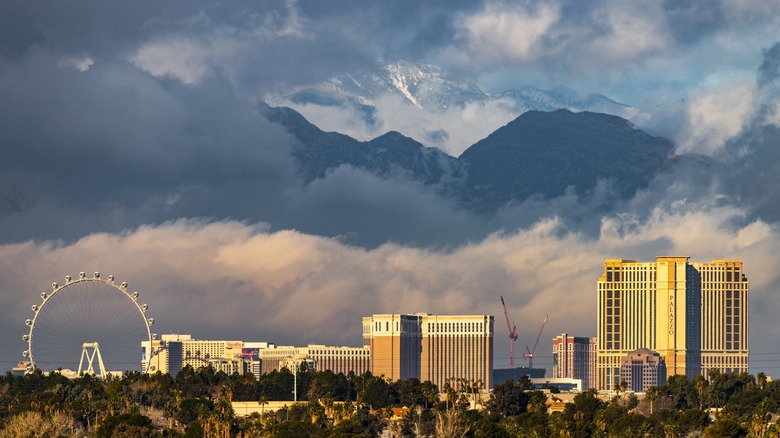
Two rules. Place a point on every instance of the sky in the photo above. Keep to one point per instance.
(131, 143)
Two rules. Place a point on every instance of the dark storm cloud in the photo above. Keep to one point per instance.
(691, 20)
(769, 70)
(111, 148)
(365, 210)
(751, 175)
(751, 159)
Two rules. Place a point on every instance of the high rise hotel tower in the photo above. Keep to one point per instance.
(437, 348)
(695, 315)
(574, 357)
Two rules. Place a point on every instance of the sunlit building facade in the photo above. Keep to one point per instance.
(202, 353)
(395, 344)
(695, 315)
(163, 354)
(442, 349)
(322, 357)
(172, 352)
(574, 357)
(341, 359)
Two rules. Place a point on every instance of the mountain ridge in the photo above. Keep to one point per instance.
(428, 87)
(538, 154)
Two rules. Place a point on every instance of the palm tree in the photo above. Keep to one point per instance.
(700, 382)
(616, 388)
(430, 392)
(761, 379)
(263, 400)
(651, 394)
(759, 421)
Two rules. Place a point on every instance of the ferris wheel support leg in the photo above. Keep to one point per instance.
(81, 362)
(91, 359)
(100, 362)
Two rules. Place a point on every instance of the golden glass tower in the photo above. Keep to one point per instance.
(695, 315)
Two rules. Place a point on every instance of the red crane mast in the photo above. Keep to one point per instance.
(529, 354)
(512, 334)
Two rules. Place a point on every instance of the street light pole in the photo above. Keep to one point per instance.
(295, 381)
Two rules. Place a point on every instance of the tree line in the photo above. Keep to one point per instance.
(199, 403)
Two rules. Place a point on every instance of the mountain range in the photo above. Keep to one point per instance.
(427, 87)
(539, 154)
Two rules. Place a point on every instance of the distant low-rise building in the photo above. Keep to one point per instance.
(250, 352)
(503, 375)
(163, 354)
(22, 368)
(319, 357)
(172, 352)
(641, 369)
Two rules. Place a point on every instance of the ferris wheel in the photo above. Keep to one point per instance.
(89, 324)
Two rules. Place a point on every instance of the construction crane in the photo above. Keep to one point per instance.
(512, 334)
(529, 353)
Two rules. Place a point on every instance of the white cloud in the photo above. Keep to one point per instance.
(452, 130)
(717, 112)
(293, 24)
(185, 59)
(219, 48)
(774, 116)
(81, 64)
(633, 31)
(613, 35)
(509, 30)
